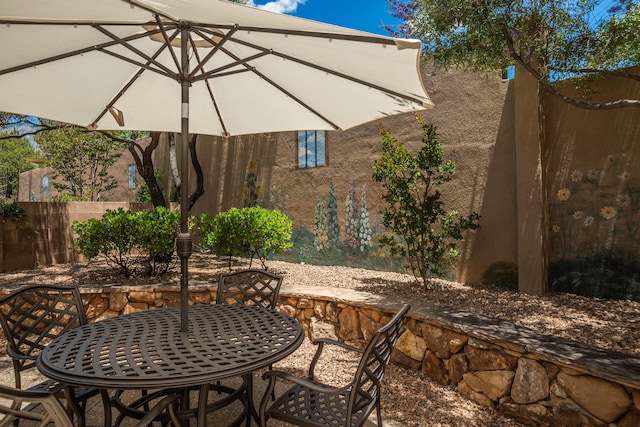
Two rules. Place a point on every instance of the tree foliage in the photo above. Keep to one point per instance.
(140, 144)
(415, 210)
(14, 153)
(550, 39)
(80, 161)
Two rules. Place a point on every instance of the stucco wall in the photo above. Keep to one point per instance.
(474, 119)
(488, 126)
(46, 239)
(595, 155)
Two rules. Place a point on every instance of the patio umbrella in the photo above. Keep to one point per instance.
(200, 66)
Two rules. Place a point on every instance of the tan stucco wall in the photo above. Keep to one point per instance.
(473, 115)
(605, 141)
(47, 237)
(489, 127)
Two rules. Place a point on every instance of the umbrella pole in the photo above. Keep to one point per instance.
(183, 239)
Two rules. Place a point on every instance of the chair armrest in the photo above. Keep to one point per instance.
(320, 342)
(20, 356)
(338, 343)
(306, 382)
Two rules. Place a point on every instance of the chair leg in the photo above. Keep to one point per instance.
(378, 411)
(251, 410)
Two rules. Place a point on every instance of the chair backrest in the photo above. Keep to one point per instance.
(374, 360)
(249, 287)
(33, 315)
(31, 408)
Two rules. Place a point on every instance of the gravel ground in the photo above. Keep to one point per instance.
(409, 398)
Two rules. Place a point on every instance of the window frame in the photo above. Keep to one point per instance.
(132, 177)
(315, 164)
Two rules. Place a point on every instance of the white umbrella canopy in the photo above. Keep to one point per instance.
(198, 66)
(250, 70)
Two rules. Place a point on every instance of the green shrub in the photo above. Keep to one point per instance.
(423, 230)
(135, 243)
(251, 232)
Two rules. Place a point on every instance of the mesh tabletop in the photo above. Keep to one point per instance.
(148, 350)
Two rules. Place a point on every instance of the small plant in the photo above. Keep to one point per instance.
(320, 232)
(601, 275)
(144, 194)
(352, 217)
(332, 216)
(365, 234)
(415, 210)
(251, 232)
(135, 243)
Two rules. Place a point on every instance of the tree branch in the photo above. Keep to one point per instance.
(604, 71)
(551, 90)
(199, 191)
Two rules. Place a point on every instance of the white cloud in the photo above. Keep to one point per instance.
(279, 6)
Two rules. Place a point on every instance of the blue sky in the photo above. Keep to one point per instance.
(364, 15)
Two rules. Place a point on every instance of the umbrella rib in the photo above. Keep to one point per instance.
(133, 49)
(168, 41)
(170, 75)
(215, 73)
(334, 72)
(280, 88)
(210, 90)
(215, 49)
(382, 40)
(128, 85)
(54, 58)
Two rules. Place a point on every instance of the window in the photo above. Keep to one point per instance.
(311, 148)
(45, 190)
(131, 172)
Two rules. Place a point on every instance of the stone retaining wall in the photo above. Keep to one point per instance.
(538, 379)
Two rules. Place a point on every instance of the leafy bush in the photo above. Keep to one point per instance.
(249, 232)
(135, 243)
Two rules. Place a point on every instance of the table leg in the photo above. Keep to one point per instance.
(203, 398)
(252, 412)
(106, 405)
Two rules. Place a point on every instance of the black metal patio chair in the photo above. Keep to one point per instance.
(313, 404)
(249, 287)
(32, 316)
(20, 405)
(42, 408)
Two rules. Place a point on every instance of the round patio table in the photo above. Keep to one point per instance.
(147, 350)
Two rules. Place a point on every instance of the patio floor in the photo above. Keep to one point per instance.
(220, 418)
(407, 396)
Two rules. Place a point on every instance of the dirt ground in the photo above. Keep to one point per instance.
(610, 324)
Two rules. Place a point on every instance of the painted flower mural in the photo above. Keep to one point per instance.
(595, 232)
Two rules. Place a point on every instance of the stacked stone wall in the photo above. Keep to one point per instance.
(537, 379)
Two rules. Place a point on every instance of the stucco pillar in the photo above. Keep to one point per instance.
(529, 182)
